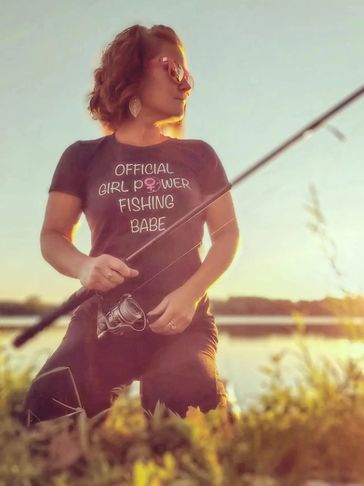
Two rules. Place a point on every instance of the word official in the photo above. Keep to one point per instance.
(143, 169)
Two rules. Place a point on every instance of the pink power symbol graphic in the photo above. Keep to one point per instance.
(152, 184)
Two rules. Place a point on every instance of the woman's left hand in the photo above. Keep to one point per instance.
(177, 307)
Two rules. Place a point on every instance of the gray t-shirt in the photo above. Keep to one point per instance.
(130, 194)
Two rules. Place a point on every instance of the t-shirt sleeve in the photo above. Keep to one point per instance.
(68, 175)
(212, 175)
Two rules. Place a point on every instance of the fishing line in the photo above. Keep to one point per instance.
(84, 294)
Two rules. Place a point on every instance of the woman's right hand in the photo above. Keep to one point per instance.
(104, 272)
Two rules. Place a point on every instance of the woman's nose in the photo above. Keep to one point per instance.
(185, 88)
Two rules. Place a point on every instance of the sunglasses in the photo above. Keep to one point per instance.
(175, 70)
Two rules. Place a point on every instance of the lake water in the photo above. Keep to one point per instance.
(239, 358)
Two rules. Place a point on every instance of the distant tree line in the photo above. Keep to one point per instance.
(329, 306)
(244, 305)
(30, 306)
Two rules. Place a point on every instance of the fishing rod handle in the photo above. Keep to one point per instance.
(77, 298)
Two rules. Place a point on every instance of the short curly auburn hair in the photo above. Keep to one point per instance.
(121, 69)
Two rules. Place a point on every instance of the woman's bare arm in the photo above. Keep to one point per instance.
(224, 246)
(180, 305)
(62, 214)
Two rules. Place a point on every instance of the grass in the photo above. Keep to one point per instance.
(313, 430)
(292, 435)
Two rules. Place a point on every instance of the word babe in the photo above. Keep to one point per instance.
(148, 224)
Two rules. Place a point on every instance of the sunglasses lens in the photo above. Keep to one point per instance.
(176, 72)
(180, 73)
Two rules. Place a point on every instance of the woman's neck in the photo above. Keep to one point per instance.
(139, 135)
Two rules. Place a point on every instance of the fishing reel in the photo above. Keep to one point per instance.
(124, 317)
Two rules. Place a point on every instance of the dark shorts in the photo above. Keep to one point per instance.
(178, 370)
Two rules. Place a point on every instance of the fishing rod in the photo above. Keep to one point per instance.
(127, 313)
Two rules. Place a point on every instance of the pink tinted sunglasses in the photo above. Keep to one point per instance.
(177, 72)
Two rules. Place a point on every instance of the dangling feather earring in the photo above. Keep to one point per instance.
(135, 105)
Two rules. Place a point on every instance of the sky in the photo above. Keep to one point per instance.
(263, 70)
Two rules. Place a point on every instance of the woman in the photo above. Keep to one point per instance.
(132, 184)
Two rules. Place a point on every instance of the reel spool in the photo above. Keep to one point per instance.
(125, 317)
